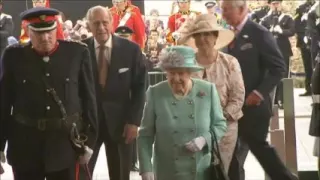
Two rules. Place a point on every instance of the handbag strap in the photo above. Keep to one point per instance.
(215, 149)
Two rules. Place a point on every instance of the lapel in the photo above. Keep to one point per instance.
(93, 58)
(115, 61)
(242, 38)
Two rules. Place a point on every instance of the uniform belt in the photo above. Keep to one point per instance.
(44, 124)
(316, 98)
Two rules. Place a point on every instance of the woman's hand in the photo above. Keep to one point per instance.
(196, 144)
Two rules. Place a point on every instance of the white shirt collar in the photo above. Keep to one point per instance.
(107, 44)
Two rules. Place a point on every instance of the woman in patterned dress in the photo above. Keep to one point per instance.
(221, 69)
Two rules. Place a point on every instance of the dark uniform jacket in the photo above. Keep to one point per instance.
(301, 25)
(287, 25)
(69, 72)
(259, 13)
(6, 30)
(312, 24)
(315, 117)
(122, 100)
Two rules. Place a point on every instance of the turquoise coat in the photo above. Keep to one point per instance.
(169, 124)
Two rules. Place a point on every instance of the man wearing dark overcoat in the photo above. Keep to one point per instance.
(262, 68)
(314, 129)
(312, 23)
(120, 76)
(6, 28)
(47, 100)
(303, 42)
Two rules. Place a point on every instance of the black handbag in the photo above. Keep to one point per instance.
(217, 171)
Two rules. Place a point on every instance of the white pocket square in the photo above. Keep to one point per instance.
(246, 46)
(122, 70)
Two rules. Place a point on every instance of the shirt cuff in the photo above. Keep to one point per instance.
(258, 94)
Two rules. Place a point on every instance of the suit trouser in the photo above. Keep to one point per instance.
(134, 154)
(119, 156)
(279, 90)
(307, 64)
(265, 154)
(66, 174)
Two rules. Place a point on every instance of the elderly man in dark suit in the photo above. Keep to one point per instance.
(120, 76)
(262, 68)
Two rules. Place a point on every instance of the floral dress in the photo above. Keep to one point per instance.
(226, 74)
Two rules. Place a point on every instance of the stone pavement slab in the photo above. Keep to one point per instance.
(306, 161)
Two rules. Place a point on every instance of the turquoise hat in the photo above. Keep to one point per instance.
(178, 57)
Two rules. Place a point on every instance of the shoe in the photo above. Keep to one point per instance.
(307, 93)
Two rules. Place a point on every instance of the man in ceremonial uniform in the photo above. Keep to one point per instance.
(282, 27)
(24, 38)
(261, 12)
(48, 111)
(6, 28)
(126, 14)
(177, 19)
(300, 20)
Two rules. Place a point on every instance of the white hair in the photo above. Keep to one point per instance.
(237, 3)
(98, 8)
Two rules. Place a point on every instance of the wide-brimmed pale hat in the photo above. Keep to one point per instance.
(205, 23)
(178, 57)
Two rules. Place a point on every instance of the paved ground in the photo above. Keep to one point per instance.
(253, 170)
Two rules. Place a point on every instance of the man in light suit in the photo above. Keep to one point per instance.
(120, 76)
(262, 68)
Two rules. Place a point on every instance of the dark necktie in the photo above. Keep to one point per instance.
(103, 65)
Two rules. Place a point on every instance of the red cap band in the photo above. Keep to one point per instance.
(42, 19)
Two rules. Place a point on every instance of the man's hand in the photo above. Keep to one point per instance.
(85, 158)
(278, 29)
(130, 132)
(253, 99)
(305, 40)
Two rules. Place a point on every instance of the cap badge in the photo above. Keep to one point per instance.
(43, 17)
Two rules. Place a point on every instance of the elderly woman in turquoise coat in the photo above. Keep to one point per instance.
(181, 115)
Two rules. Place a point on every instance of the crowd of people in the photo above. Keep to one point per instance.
(67, 89)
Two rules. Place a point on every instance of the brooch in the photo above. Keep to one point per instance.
(201, 94)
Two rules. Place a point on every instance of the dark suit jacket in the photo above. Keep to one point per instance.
(287, 25)
(262, 68)
(123, 99)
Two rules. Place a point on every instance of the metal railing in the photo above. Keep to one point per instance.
(156, 77)
(284, 140)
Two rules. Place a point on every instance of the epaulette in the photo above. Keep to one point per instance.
(16, 45)
(76, 42)
(6, 15)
